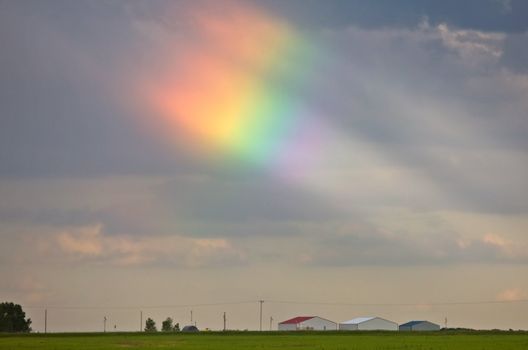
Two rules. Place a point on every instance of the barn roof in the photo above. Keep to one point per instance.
(412, 323)
(358, 320)
(297, 319)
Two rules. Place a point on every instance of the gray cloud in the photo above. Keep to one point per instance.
(515, 55)
(454, 127)
(243, 199)
(368, 246)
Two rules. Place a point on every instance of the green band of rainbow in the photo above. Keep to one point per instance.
(236, 90)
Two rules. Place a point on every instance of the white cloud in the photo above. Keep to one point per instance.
(508, 248)
(474, 46)
(85, 242)
(90, 244)
(496, 240)
(512, 294)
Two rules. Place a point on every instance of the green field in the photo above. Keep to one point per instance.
(271, 340)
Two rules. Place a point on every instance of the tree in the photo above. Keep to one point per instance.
(150, 325)
(166, 326)
(177, 327)
(13, 318)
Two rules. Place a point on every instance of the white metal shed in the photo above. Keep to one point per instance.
(368, 324)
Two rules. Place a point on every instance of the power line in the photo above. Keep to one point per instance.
(130, 307)
(481, 302)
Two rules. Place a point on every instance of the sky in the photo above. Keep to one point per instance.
(332, 158)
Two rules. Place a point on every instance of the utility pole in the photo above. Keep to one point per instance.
(224, 321)
(46, 321)
(261, 302)
(104, 323)
(191, 317)
(141, 320)
(271, 321)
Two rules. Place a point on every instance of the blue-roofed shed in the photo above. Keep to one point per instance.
(419, 326)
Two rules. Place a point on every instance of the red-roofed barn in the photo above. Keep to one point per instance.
(307, 323)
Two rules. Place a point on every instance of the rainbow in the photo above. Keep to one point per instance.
(236, 90)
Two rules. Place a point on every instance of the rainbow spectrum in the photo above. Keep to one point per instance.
(236, 90)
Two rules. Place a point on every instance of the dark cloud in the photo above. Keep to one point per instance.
(257, 197)
(515, 55)
(60, 92)
(489, 15)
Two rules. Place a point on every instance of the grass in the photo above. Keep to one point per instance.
(271, 340)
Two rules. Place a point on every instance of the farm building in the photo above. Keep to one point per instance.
(307, 323)
(419, 326)
(368, 324)
(190, 328)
